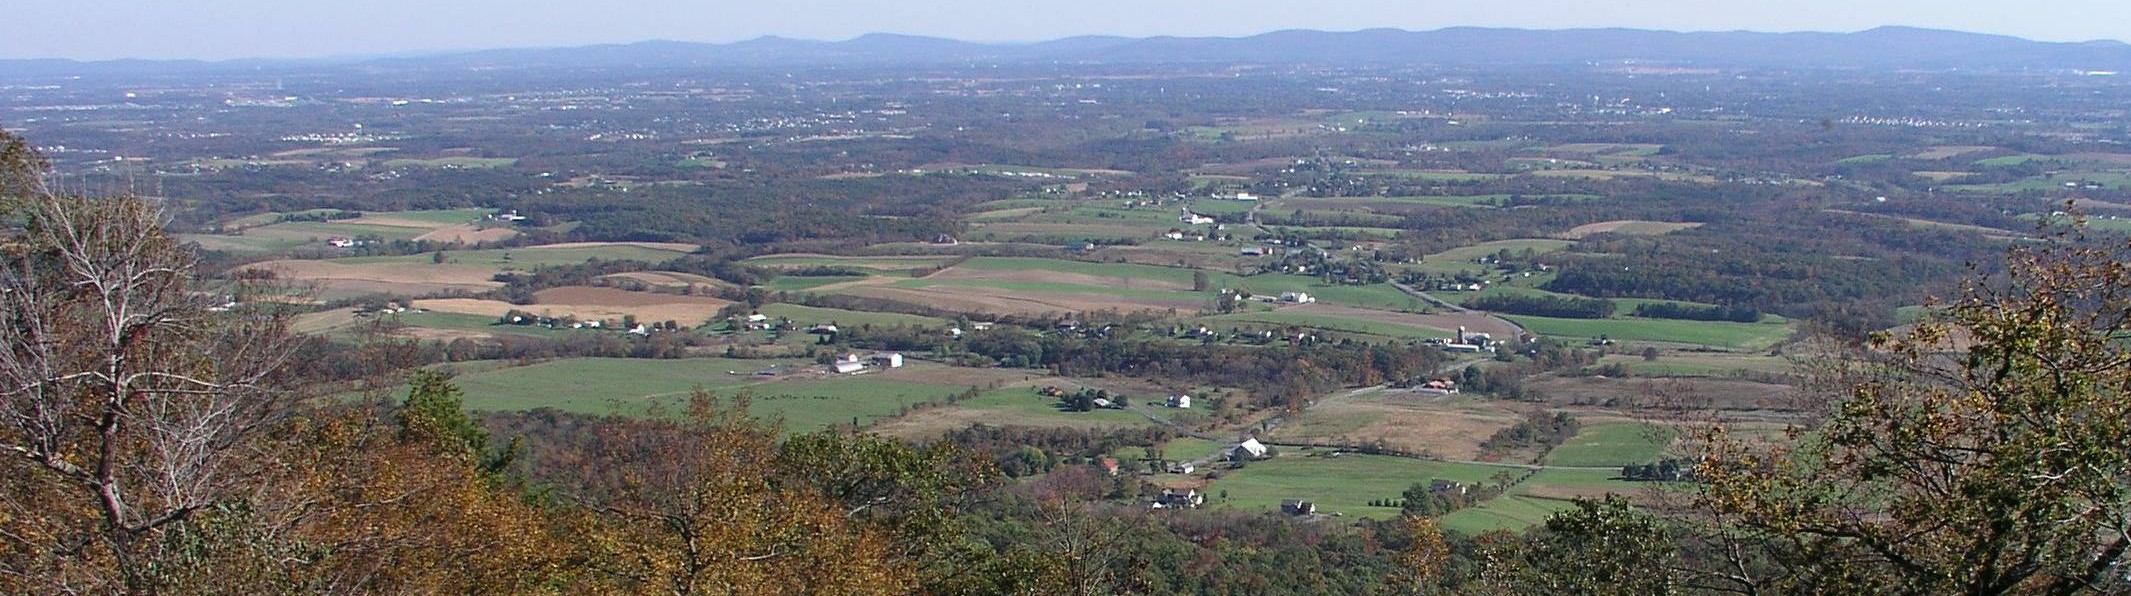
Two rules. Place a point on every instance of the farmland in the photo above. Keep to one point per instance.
(806, 400)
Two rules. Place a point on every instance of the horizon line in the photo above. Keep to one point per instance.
(442, 52)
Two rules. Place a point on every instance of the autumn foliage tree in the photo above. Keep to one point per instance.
(1985, 452)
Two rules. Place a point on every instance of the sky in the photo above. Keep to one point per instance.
(226, 29)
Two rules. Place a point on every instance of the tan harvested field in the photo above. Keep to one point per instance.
(1471, 321)
(336, 280)
(1630, 227)
(427, 273)
(672, 246)
(594, 302)
(468, 234)
(1946, 151)
(671, 279)
(1937, 176)
(1402, 420)
(586, 302)
(323, 321)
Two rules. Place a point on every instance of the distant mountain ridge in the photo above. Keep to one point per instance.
(1881, 48)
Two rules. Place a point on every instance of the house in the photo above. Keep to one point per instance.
(1297, 297)
(1195, 219)
(1104, 403)
(1180, 401)
(822, 329)
(1251, 251)
(945, 240)
(1441, 486)
(1182, 467)
(340, 242)
(1109, 464)
(1081, 247)
(980, 326)
(509, 216)
(887, 359)
(1297, 507)
(1174, 234)
(1251, 448)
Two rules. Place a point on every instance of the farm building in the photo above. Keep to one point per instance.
(1180, 401)
(1250, 448)
(1297, 297)
(1176, 499)
(1297, 507)
(1182, 467)
(887, 359)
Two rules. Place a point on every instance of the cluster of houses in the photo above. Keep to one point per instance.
(1195, 219)
(851, 364)
(346, 242)
(511, 216)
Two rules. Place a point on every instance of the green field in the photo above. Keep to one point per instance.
(1330, 323)
(1866, 158)
(2109, 180)
(808, 316)
(453, 162)
(1343, 484)
(1024, 406)
(606, 385)
(1509, 512)
(530, 257)
(440, 217)
(1614, 444)
(880, 263)
(793, 283)
(1740, 336)
(1432, 175)
(1461, 259)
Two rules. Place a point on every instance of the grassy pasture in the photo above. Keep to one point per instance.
(1331, 323)
(809, 315)
(1343, 484)
(1722, 334)
(606, 385)
(1612, 444)
(453, 162)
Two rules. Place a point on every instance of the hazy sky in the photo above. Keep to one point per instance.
(217, 29)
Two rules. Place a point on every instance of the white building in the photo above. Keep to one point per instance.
(1180, 401)
(887, 359)
(1297, 297)
(1251, 448)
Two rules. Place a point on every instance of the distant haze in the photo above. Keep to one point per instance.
(226, 29)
